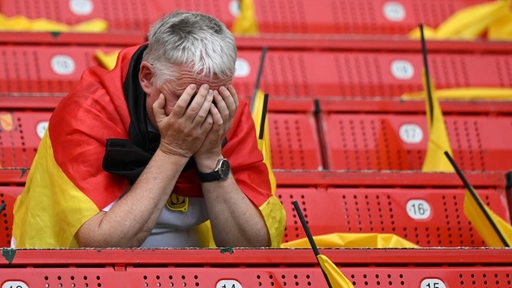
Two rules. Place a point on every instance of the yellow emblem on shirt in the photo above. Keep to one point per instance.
(177, 203)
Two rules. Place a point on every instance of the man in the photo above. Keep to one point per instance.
(144, 155)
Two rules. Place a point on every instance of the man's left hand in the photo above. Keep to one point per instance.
(225, 103)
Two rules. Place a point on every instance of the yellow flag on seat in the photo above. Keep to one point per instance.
(438, 140)
(353, 240)
(24, 24)
(259, 115)
(336, 278)
(465, 93)
(246, 22)
(501, 28)
(93, 25)
(471, 22)
(483, 227)
(495, 231)
(332, 274)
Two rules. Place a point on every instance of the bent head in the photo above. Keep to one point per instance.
(187, 41)
(194, 40)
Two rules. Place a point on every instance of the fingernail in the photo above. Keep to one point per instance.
(193, 87)
(210, 93)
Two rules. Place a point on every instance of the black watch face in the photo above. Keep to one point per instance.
(224, 169)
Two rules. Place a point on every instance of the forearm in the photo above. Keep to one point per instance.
(133, 216)
(234, 219)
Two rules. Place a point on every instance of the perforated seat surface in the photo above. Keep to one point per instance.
(425, 216)
(8, 195)
(20, 134)
(132, 16)
(363, 17)
(45, 69)
(292, 276)
(294, 141)
(399, 142)
(300, 16)
(292, 74)
(310, 74)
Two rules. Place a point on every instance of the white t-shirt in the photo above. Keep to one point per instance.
(175, 228)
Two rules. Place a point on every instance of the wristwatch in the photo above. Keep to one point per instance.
(221, 172)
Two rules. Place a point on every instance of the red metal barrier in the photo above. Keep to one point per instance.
(255, 268)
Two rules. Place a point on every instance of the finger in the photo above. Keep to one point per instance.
(159, 108)
(221, 105)
(181, 105)
(233, 93)
(230, 99)
(202, 114)
(198, 101)
(207, 124)
(216, 116)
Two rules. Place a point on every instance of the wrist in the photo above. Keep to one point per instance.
(175, 158)
(207, 164)
(164, 149)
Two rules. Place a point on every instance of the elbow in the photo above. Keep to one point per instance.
(94, 234)
(97, 241)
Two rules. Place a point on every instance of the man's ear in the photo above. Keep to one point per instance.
(146, 75)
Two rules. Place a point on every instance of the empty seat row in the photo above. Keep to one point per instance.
(398, 142)
(331, 141)
(303, 74)
(384, 141)
(45, 69)
(426, 216)
(365, 17)
(288, 74)
(422, 214)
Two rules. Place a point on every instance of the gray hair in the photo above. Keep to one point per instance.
(194, 40)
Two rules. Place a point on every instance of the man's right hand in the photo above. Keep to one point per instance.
(183, 131)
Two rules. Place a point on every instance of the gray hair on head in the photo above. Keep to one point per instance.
(194, 40)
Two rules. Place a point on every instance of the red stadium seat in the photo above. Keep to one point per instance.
(299, 74)
(399, 142)
(291, 75)
(294, 141)
(20, 134)
(364, 17)
(44, 69)
(355, 142)
(122, 16)
(425, 216)
(8, 195)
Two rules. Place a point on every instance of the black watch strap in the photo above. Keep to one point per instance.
(221, 172)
